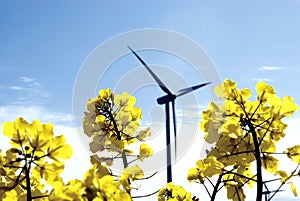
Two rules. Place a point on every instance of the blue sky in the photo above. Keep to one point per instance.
(44, 43)
(48, 41)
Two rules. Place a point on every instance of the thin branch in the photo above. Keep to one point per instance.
(240, 175)
(142, 196)
(267, 130)
(266, 152)
(144, 178)
(210, 182)
(206, 189)
(284, 182)
(40, 196)
(213, 195)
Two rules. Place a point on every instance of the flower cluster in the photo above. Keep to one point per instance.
(37, 155)
(112, 123)
(98, 185)
(175, 193)
(243, 131)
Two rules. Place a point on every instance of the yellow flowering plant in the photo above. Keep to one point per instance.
(35, 159)
(245, 133)
(112, 122)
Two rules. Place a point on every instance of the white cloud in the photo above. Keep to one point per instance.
(31, 82)
(192, 114)
(31, 112)
(262, 79)
(17, 88)
(270, 68)
(29, 92)
(27, 79)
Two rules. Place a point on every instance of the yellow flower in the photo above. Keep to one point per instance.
(105, 94)
(235, 192)
(294, 153)
(143, 134)
(134, 172)
(130, 174)
(10, 196)
(145, 151)
(58, 149)
(174, 193)
(212, 167)
(98, 143)
(16, 131)
(284, 176)
(213, 121)
(125, 100)
(270, 163)
(116, 145)
(264, 91)
(136, 113)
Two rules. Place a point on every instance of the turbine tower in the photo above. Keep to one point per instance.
(170, 97)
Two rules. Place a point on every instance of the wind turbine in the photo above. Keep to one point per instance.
(170, 97)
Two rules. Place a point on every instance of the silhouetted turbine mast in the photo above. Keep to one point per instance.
(166, 100)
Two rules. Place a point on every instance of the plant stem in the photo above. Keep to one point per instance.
(124, 157)
(115, 125)
(257, 154)
(216, 188)
(27, 176)
(142, 196)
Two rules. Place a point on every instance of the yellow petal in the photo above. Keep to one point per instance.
(246, 93)
(145, 151)
(134, 172)
(270, 163)
(105, 93)
(293, 187)
(220, 91)
(10, 196)
(9, 129)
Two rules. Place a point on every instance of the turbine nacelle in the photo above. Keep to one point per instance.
(166, 99)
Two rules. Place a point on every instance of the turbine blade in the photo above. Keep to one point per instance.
(174, 124)
(159, 82)
(181, 92)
